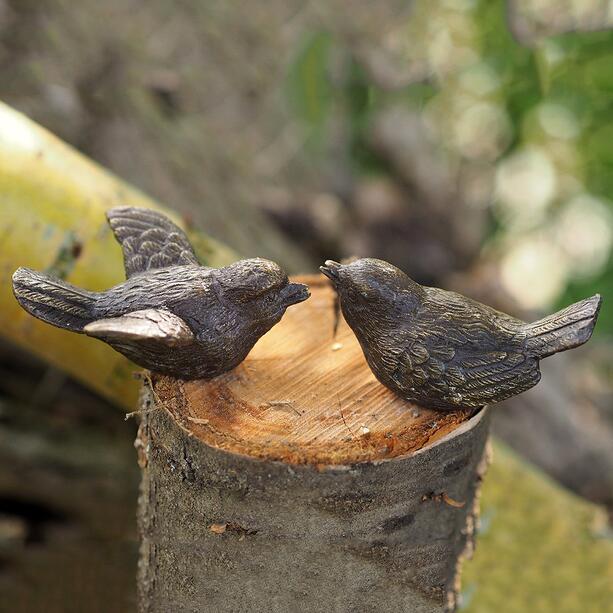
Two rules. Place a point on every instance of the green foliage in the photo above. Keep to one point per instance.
(309, 86)
(572, 71)
(580, 79)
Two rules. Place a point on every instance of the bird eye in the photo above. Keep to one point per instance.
(364, 294)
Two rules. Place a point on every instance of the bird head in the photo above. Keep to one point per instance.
(370, 288)
(262, 287)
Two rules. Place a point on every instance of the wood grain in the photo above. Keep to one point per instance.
(304, 396)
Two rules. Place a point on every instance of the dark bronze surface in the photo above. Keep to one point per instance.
(171, 315)
(441, 349)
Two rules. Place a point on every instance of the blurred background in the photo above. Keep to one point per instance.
(468, 142)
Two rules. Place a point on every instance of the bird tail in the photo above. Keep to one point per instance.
(565, 329)
(52, 300)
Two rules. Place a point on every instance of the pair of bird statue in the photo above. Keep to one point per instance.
(176, 317)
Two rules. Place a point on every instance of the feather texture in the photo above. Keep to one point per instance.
(171, 315)
(565, 329)
(53, 300)
(149, 240)
(442, 349)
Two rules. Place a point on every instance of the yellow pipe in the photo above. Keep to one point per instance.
(52, 205)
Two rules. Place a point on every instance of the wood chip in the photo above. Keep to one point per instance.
(198, 420)
(451, 502)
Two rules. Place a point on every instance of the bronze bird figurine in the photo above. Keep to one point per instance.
(441, 349)
(171, 315)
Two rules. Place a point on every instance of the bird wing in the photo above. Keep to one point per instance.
(464, 377)
(152, 327)
(465, 352)
(149, 240)
(475, 380)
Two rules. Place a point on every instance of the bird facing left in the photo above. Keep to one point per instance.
(171, 315)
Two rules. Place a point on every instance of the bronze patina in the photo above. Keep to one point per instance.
(171, 315)
(444, 350)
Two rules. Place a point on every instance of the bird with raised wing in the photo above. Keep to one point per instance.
(171, 315)
(444, 350)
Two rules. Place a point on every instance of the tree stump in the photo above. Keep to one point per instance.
(297, 482)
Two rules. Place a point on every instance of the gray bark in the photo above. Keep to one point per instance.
(226, 532)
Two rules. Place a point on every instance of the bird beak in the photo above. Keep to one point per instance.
(331, 270)
(293, 293)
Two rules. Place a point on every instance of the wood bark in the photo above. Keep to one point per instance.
(298, 483)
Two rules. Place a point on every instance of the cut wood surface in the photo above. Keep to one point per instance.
(304, 395)
(298, 482)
